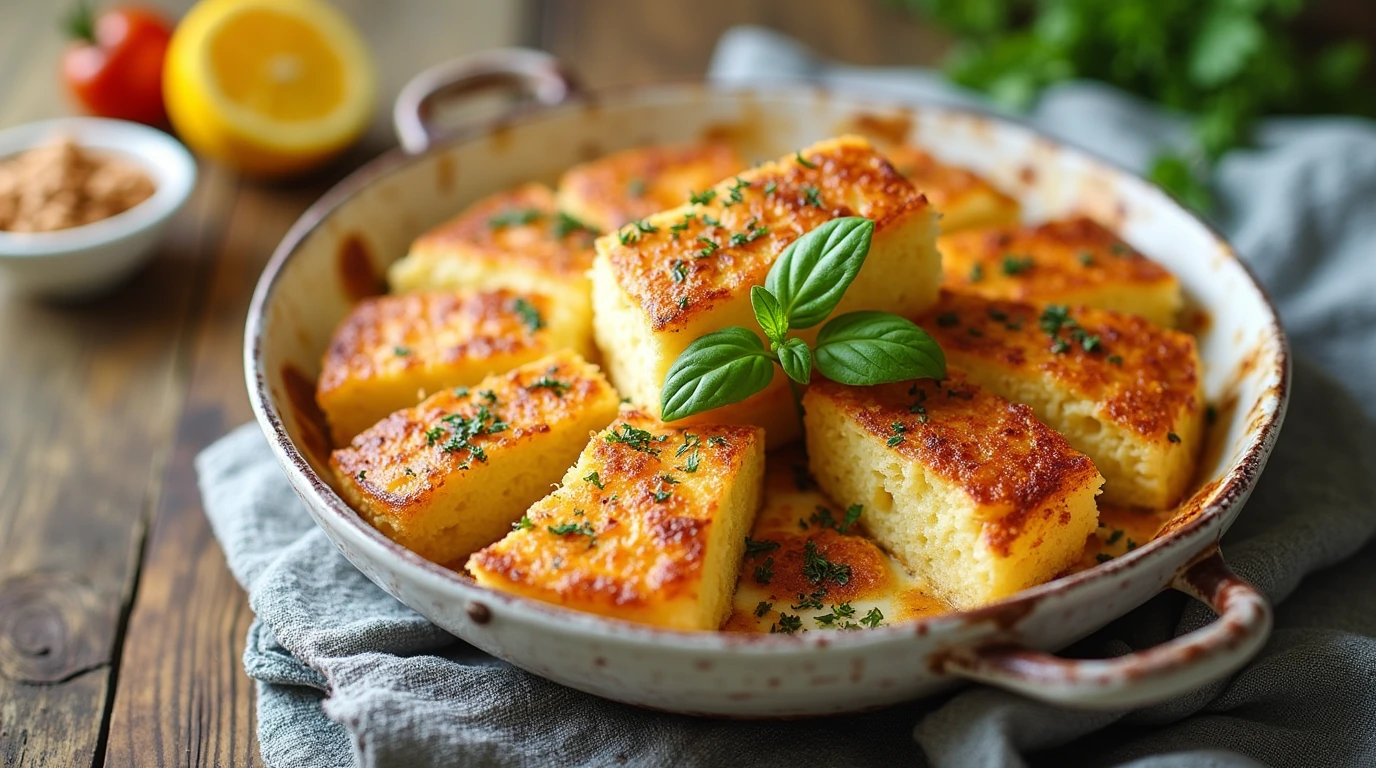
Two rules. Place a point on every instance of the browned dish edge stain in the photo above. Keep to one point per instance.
(356, 271)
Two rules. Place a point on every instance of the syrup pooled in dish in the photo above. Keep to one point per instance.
(1058, 433)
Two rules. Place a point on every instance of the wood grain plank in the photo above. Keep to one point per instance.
(88, 404)
(612, 43)
(182, 697)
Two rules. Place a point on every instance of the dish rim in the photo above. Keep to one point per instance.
(1236, 483)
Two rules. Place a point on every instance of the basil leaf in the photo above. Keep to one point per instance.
(866, 348)
(718, 369)
(769, 314)
(815, 270)
(796, 360)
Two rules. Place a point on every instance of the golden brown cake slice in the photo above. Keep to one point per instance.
(453, 473)
(686, 272)
(809, 566)
(1122, 390)
(1073, 261)
(391, 351)
(963, 198)
(649, 526)
(627, 186)
(970, 491)
(517, 240)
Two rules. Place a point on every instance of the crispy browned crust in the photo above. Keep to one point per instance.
(944, 185)
(995, 451)
(1143, 377)
(1067, 255)
(387, 335)
(632, 184)
(641, 550)
(535, 245)
(850, 179)
(395, 467)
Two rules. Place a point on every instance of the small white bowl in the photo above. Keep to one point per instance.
(87, 260)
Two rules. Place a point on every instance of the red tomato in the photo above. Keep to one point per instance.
(115, 66)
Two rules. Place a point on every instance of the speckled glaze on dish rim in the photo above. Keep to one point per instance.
(812, 673)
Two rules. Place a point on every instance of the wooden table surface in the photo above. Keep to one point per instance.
(121, 629)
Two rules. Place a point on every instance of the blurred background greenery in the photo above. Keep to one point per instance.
(1226, 63)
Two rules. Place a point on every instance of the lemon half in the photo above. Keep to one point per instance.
(271, 87)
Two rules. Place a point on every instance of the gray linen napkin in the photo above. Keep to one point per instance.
(347, 674)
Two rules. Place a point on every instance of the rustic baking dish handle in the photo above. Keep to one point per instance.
(1143, 677)
(534, 73)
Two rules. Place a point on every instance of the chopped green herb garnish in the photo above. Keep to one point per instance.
(873, 618)
(592, 477)
(1089, 343)
(691, 464)
(1115, 359)
(514, 217)
(460, 391)
(716, 440)
(635, 187)
(529, 314)
(806, 603)
(679, 270)
(362, 474)
(817, 569)
(709, 247)
(1016, 265)
(976, 273)
(853, 513)
(898, 428)
(813, 196)
(568, 529)
(644, 226)
(770, 187)
(1059, 346)
(545, 382)
(838, 613)
(803, 161)
(763, 608)
(628, 236)
(1171, 436)
(1086, 258)
(1053, 318)
(401, 351)
(565, 225)
(753, 547)
(764, 571)
(1115, 536)
(702, 198)
(662, 496)
(1103, 557)
(524, 524)
(1118, 249)
(947, 320)
(636, 439)
(973, 331)
(788, 624)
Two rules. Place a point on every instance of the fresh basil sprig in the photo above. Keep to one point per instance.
(801, 290)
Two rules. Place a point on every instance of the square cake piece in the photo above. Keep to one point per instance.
(971, 492)
(810, 567)
(1072, 261)
(516, 240)
(627, 186)
(1122, 390)
(649, 526)
(453, 473)
(665, 281)
(392, 351)
(963, 198)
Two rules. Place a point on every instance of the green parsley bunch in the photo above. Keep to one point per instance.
(1224, 62)
(802, 288)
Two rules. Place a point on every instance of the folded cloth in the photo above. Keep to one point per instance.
(346, 674)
